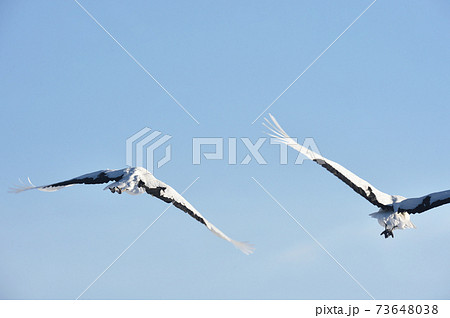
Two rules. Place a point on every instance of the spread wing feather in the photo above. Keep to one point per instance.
(360, 186)
(97, 177)
(166, 193)
(425, 203)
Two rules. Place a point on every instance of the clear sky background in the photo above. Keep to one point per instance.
(376, 102)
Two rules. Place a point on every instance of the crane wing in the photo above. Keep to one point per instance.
(168, 194)
(425, 203)
(97, 177)
(360, 186)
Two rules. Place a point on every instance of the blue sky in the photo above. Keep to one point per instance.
(376, 102)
